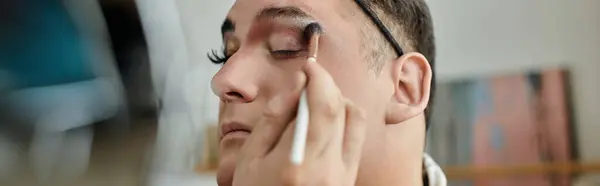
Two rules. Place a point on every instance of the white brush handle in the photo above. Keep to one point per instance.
(299, 143)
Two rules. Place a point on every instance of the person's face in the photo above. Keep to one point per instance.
(266, 49)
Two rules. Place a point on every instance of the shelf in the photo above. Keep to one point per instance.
(568, 168)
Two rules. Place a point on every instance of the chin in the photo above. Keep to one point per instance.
(226, 170)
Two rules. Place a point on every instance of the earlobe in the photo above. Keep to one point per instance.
(397, 113)
(411, 75)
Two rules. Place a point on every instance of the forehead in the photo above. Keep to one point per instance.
(244, 12)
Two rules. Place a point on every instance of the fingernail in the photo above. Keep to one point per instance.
(312, 59)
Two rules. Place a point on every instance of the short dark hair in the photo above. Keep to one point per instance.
(411, 24)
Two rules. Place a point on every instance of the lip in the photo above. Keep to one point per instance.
(234, 129)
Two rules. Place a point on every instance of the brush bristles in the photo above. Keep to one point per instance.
(311, 34)
(312, 29)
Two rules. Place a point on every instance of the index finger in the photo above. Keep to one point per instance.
(323, 95)
(326, 110)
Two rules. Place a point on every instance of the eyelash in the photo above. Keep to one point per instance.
(285, 54)
(218, 57)
(221, 57)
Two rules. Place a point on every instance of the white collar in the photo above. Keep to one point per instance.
(435, 175)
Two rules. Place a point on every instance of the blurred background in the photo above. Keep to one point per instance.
(116, 92)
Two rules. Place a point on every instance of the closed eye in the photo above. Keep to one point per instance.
(286, 54)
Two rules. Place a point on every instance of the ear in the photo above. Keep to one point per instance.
(411, 74)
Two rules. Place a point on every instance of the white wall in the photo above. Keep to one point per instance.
(202, 28)
(179, 34)
(488, 36)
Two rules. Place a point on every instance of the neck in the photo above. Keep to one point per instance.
(400, 162)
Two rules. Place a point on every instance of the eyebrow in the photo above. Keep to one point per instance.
(288, 12)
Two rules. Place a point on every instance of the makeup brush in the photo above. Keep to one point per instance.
(312, 33)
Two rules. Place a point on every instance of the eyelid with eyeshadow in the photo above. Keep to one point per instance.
(281, 46)
(286, 41)
(286, 45)
(230, 46)
(287, 54)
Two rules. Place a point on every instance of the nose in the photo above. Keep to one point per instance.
(235, 85)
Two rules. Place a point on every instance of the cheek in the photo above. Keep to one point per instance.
(352, 77)
(343, 56)
(282, 79)
(221, 108)
(359, 84)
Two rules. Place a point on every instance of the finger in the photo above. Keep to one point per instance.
(284, 146)
(326, 111)
(354, 134)
(277, 114)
